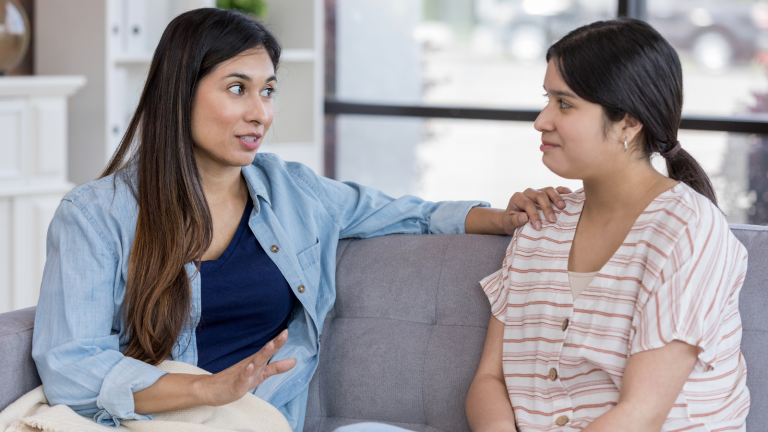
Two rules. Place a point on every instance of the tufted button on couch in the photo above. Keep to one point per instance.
(404, 338)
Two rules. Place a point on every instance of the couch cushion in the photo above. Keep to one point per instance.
(405, 336)
(18, 373)
(753, 304)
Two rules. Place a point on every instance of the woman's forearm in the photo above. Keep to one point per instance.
(652, 381)
(626, 419)
(618, 418)
(488, 406)
(170, 393)
(483, 220)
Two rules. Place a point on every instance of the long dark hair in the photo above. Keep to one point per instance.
(174, 224)
(627, 67)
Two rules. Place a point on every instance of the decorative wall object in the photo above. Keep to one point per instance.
(14, 34)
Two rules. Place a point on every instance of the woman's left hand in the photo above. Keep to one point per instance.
(522, 207)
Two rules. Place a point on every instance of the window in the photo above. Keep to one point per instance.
(425, 68)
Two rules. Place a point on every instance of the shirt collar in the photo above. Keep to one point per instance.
(256, 184)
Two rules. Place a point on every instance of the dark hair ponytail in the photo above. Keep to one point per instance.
(174, 224)
(627, 67)
(683, 167)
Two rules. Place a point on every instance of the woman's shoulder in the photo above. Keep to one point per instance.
(286, 177)
(272, 165)
(110, 198)
(568, 217)
(699, 223)
(574, 201)
(105, 188)
(692, 209)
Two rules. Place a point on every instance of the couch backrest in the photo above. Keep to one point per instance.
(18, 373)
(403, 341)
(404, 338)
(753, 305)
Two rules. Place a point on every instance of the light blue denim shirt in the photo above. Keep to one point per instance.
(79, 330)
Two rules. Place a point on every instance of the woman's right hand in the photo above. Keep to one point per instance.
(233, 383)
(179, 391)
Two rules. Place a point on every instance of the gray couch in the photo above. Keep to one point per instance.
(405, 336)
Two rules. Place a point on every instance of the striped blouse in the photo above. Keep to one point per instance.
(677, 276)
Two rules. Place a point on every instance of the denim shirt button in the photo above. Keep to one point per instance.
(274, 248)
(301, 288)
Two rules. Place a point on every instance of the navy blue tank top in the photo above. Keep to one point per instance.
(246, 301)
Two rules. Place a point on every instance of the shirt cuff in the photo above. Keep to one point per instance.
(451, 216)
(115, 400)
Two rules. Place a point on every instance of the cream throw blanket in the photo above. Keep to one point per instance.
(31, 413)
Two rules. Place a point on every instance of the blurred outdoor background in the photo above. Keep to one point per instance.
(490, 54)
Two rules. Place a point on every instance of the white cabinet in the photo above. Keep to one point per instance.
(111, 42)
(33, 178)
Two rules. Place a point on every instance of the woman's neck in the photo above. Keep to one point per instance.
(221, 183)
(620, 190)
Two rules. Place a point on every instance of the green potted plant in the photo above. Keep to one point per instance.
(256, 8)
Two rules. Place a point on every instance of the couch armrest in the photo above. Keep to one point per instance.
(18, 373)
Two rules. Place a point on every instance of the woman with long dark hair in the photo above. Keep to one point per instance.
(622, 315)
(194, 247)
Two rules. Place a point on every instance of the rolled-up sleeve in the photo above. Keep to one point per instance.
(76, 342)
(362, 211)
(450, 216)
(115, 399)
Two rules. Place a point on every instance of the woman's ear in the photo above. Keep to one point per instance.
(631, 127)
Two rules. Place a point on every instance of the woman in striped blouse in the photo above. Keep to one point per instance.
(621, 314)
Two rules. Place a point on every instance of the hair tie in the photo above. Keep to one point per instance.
(671, 152)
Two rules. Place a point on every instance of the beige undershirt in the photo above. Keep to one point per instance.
(579, 282)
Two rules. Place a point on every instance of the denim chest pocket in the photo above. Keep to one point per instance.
(309, 260)
(310, 257)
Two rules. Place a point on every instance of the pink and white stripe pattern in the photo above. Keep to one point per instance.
(677, 276)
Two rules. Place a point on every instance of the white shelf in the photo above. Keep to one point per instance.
(40, 85)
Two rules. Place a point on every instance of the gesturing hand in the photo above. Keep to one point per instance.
(523, 206)
(233, 383)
